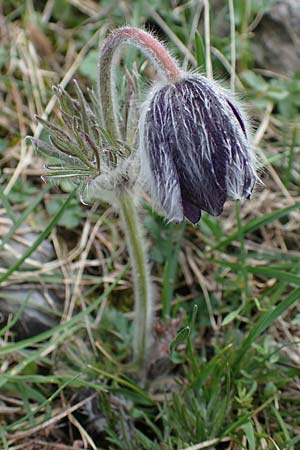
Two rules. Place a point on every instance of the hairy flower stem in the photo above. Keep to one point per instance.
(141, 280)
(167, 70)
(166, 66)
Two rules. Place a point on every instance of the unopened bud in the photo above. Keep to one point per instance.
(195, 152)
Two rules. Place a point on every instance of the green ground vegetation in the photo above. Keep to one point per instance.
(225, 373)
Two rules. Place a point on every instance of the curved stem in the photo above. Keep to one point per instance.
(151, 47)
(169, 71)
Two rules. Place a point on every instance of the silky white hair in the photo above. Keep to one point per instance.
(194, 148)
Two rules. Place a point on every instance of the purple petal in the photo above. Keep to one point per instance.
(191, 212)
(194, 141)
(157, 160)
(238, 115)
(250, 179)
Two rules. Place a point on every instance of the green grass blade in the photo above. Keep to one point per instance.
(3, 434)
(265, 321)
(170, 272)
(32, 205)
(44, 235)
(43, 405)
(200, 50)
(249, 432)
(281, 423)
(269, 272)
(272, 272)
(257, 223)
(292, 442)
(123, 382)
(16, 346)
(288, 174)
(20, 311)
(7, 206)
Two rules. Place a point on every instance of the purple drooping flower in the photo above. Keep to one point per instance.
(194, 149)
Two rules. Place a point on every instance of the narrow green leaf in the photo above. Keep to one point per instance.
(170, 271)
(17, 316)
(123, 382)
(231, 316)
(200, 50)
(287, 177)
(44, 404)
(281, 423)
(7, 205)
(193, 318)
(249, 432)
(3, 434)
(32, 205)
(265, 321)
(82, 108)
(269, 272)
(19, 345)
(292, 442)
(53, 130)
(257, 223)
(209, 367)
(182, 336)
(44, 235)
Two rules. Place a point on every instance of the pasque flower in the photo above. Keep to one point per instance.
(195, 151)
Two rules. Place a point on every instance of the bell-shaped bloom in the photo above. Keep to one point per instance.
(195, 152)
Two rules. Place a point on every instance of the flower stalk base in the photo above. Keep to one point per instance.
(141, 280)
(169, 71)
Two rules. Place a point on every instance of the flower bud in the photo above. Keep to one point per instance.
(195, 152)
